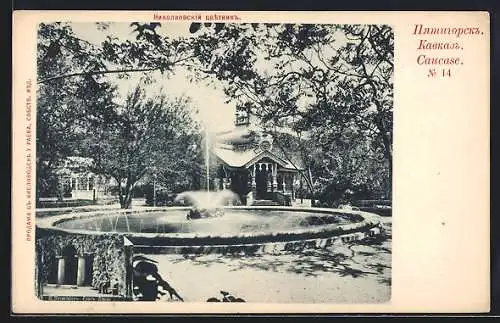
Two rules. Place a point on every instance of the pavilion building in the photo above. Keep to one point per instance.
(254, 166)
(75, 177)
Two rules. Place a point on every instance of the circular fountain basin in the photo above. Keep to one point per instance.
(167, 230)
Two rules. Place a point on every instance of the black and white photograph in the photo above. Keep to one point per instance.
(181, 161)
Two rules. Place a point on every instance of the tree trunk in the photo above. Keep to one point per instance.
(388, 151)
(386, 141)
(120, 192)
(126, 197)
(60, 193)
(125, 204)
(60, 190)
(125, 200)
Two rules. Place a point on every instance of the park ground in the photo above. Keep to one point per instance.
(355, 272)
(359, 272)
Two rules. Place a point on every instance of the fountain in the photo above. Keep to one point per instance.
(206, 203)
(221, 226)
(240, 228)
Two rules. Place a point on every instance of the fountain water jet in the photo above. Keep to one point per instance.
(208, 200)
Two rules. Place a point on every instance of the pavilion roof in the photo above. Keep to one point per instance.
(246, 158)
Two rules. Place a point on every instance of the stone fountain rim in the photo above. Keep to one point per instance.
(49, 223)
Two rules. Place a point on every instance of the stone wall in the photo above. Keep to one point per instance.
(106, 250)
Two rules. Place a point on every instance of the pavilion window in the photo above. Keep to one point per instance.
(82, 184)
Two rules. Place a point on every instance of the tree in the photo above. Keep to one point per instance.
(65, 105)
(77, 115)
(150, 52)
(143, 136)
(347, 168)
(336, 79)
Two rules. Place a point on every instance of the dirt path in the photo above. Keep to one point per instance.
(359, 272)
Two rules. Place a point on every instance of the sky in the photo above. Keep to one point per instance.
(214, 113)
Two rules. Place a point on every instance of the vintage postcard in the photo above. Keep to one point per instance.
(278, 162)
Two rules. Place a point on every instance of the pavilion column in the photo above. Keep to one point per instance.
(61, 264)
(275, 175)
(293, 190)
(269, 179)
(254, 184)
(128, 253)
(284, 182)
(80, 275)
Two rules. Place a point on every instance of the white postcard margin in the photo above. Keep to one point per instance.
(441, 230)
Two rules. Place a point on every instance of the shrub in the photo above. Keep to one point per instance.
(163, 197)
